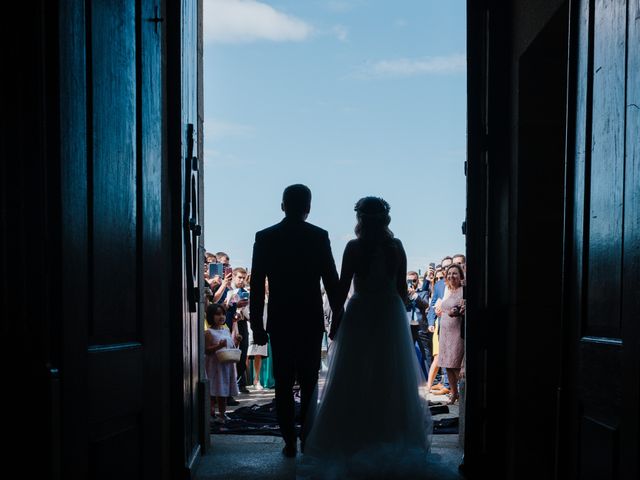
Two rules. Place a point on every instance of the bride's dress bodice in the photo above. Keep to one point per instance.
(377, 277)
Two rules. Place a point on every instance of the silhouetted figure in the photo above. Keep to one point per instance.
(373, 420)
(294, 255)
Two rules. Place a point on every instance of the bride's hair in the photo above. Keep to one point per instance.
(373, 231)
(373, 219)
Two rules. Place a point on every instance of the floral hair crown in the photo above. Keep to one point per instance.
(372, 207)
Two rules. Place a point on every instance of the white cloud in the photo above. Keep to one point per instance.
(341, 32)
(216, 129)
(243, 21)
(405, 67)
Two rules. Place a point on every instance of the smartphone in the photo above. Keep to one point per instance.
(226, 269)
(410, 283)
(244, 295)
(215, 269)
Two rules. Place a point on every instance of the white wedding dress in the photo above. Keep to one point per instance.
(373, 419)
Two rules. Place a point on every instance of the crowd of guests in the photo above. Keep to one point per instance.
(435, 313)
(227, 314)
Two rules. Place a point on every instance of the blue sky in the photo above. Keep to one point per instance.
(350, 97)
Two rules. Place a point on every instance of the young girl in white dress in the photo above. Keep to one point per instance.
(222, 376)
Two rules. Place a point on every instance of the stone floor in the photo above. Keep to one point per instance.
(235, 457)
(253, 457)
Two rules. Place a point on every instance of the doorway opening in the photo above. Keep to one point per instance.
(352, 100)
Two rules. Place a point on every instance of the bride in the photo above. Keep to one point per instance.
(373, 419)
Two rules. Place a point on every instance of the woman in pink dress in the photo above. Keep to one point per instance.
(451, 354)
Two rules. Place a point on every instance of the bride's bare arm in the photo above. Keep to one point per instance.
(401, 273)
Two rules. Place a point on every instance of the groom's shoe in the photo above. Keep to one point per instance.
(289, 450)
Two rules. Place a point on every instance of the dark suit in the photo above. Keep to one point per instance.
(294, 256)
(419, 333)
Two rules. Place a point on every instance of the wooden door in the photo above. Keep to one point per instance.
(114, 367)
(602, 287)
(188, 402)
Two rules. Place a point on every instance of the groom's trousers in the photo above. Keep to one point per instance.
(295, 357)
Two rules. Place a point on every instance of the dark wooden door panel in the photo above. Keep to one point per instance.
(191, 260)
(114, 199)
(115, 383)
(601, 364)
(630, 431)
(115, 388)
(115, 364)
(604, 276)
(605, 179)
(599, 446)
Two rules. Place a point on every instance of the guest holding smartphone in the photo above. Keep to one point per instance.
(237, 302)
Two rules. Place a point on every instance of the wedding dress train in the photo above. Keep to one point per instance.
(373, 419)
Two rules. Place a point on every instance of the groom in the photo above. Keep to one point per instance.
(294, 255)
